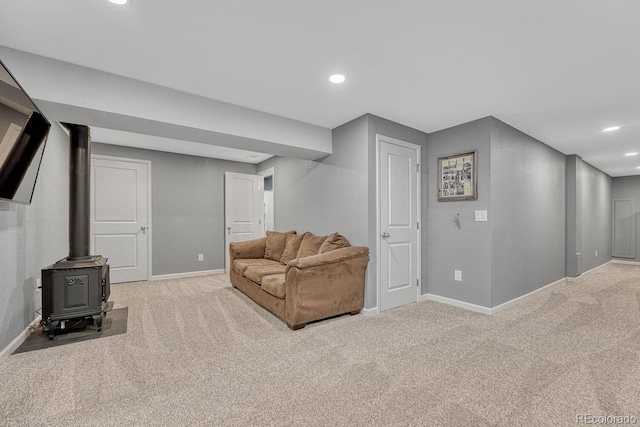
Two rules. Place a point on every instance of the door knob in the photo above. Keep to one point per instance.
(143, 228)
(385, 235)
(229, 230)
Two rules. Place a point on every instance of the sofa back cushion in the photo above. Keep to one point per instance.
(275, 244)
(291, 248)
(310, 245)
(334, 241)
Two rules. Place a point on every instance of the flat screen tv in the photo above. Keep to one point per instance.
(23, 131)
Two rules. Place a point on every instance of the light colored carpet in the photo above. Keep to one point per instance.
(197, 352)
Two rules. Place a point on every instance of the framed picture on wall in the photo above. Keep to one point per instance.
(458, 177)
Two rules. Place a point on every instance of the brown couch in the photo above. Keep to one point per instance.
(301, 277)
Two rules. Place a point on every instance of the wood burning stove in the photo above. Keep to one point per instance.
(76, 287)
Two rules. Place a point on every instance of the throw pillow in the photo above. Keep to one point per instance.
(310, 245)
(291, 247)
(275, 244)
(334, 241)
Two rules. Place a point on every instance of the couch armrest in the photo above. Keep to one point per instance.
(248, 249)
(337, 255)
(325, 285)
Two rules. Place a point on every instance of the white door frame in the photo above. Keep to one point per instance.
(380, 138)
(149, 216)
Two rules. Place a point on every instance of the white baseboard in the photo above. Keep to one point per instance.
(13, 345)
(369, 312)
(621, 261)
(456, 303)
(498, 308)
(482, 309)
(575, 279)
(514, 301)
(189, 274)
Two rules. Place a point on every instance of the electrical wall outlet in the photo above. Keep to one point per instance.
(596, 253)
(200, 257)
(457, 275)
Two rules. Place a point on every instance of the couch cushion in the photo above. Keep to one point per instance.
(291, 247)
(275, 244)
(334, 241)
(274, 284)
(255, 273)
(310, 245)
(240, 265)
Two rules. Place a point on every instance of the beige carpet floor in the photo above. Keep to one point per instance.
(197, 352)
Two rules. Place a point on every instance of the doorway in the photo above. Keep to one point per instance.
(399, 211)
(269, 198)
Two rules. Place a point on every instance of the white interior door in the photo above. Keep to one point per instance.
(120, 216)
(243, 209)
(398, 256)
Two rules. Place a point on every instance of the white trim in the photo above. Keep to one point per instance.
(370, 312)
(149, 200)
(267, 172)
(380, 138)
(575, 279)
(487, 310)
(507, 304)
(188, 274)
(498, 308)
(621, 261)
(456, 303)
(13, 345)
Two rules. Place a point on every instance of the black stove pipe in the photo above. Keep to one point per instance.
(79, 191)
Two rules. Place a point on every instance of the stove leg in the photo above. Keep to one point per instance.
(52, 328)
(97, 320)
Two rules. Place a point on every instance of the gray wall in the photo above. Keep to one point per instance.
(588, 217)
(527, 214)
(573, 214)
(338, 193)
(326, 195)
(629, 187)
(187, 197)
(33, 237)
(596, 217)
(467, 248)
(532, 221)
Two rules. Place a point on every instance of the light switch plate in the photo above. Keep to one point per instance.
(481, 215)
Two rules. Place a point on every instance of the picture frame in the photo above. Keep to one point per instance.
(458, 177)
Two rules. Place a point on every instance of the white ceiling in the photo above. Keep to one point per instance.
(560, 71)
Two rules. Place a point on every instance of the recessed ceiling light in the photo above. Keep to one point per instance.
(631, 154)
(638, 167)
(611, 128)
(119, 1)
(337, 78)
